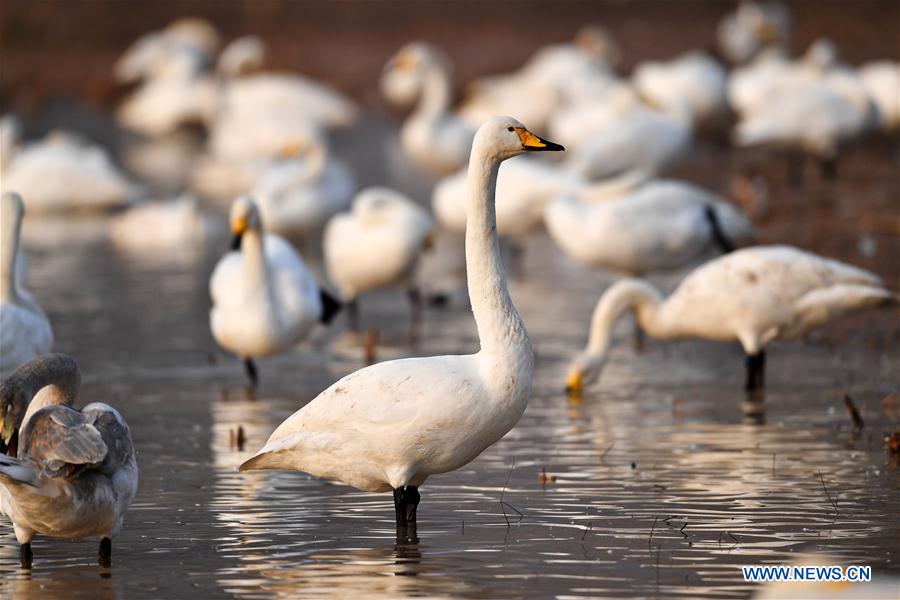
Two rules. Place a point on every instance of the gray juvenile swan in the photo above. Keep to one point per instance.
(69, 473)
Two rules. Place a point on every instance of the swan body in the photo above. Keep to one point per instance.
(394, 424)
(162, 226)
(661, 225)
(71, 473)
(297, 195)
(642, 139)
(524, 187)
(432, 136)
(882, 80)
(161, 106)
(693, 86)
(751, 296)
(184, 46)
(63, 173)
(377, 244)
(24, 329)
(264, 299)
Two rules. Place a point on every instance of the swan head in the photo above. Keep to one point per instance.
(583, 370)
(505, 137)
(405, 73)
(244, 217)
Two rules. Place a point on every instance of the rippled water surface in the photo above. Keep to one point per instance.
(662, 481)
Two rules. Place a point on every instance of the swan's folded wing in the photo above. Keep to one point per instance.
(58, 439)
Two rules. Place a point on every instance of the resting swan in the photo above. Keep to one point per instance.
(264, 299)
(752, 296)
(376, 245)
(70, 473)
(393, 424)
(658, 226)
(24, 329)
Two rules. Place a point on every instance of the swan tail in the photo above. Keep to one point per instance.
(330, 307)
(284, 453)
(821, 305)
(15, 472)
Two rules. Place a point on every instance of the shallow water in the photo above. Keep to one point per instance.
(667, 479)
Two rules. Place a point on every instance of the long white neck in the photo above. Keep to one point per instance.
(624, 295)
(437, 92)
(256, 272)
(500, 329)
(9, 247)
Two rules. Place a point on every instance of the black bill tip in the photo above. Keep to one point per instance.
(236, 241)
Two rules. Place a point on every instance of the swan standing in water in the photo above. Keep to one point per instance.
(751, 296)
(264, 299)
(24, 329)
(393, 424)
(376, 245)
(70, 473)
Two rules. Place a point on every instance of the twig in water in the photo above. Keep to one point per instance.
(505, 505)
(605, 452)
(827, 493)
(652, 529)
(587, 529)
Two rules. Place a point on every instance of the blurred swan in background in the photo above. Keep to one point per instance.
(24, 329)
(432, 136)
(264, 299)
(555, 75)
(64, 172)
(524, 187)
(659, 225)
(429, 415)
(164, 228)
(377, 245)
(692, 86)
(752, 28)
(70, 473)
(752, 296)
(10, 132)
(297, 193)
(185, 45)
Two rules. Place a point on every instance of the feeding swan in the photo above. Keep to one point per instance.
(24, 329)
(393, 424)
(70, 473)
(752, 296)
(264, 299)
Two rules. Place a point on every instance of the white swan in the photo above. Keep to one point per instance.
(70, 473)
(752, 296)
(751, 28)
(24, 329)
(392, 425)
(377, 244)
(432, 136)
(63, 172)
(638, 139)
(162, 105)
(188, 43)
(693, 86)
(882, 80)
(524, 187)
(264, 299)
(298, 193)
(660, 225)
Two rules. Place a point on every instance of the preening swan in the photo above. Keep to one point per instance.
(393, 424)
(24, 329)
(660, 225)
(752, 296)
(69, 473)
(377, 244)
(432, 136)
(264, 299)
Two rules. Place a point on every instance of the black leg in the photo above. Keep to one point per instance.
(830, 168)
(105, 552)
(406, 501)
(330, 307)
(353, 315)
(638, 340)
(25, 555)
(252, 375)
(415, 313)
(756, 370)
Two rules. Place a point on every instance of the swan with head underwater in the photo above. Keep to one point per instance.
(392, 425)
(752, 296)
